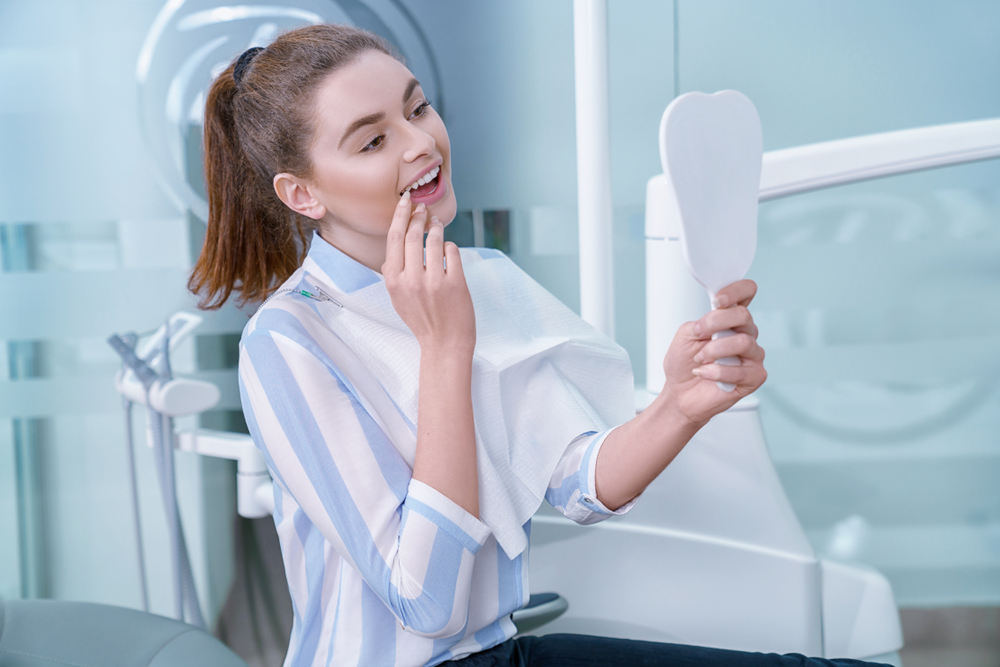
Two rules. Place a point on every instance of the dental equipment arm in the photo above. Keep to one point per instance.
(791, 171)
(254, 489)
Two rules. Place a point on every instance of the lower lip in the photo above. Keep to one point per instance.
(434, 196)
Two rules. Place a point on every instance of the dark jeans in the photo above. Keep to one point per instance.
(587, 651)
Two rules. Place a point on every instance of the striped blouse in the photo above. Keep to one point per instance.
(382, 569)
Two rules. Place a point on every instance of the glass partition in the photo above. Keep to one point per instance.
(878, 312)
(91, 244)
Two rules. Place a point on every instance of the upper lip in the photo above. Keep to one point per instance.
(416, 178)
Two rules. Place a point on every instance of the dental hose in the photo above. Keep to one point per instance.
(130, 447)
(185, 593)
(165, 475)
(189, 590)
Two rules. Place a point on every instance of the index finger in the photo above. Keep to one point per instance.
(741, 292)
(396, 237)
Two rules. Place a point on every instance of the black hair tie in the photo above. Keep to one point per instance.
(243, 62)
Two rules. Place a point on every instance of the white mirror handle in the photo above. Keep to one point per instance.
(726, 361)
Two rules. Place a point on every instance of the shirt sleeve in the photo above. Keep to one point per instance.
(412, 545)
(573, 487)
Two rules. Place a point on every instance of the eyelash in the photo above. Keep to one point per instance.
(418, 112)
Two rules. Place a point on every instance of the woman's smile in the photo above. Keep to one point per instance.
(428, 188)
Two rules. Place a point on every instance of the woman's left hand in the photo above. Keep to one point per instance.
(691, 371)
(636, 452)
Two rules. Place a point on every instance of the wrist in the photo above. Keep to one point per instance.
(445, 353)
(666, 410)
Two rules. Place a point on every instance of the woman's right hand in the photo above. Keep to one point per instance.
(432, 300)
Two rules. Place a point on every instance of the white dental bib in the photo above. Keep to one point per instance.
(541, 377)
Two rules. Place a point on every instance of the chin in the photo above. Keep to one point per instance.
(446, 209)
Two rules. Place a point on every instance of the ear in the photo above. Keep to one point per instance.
(296, 195)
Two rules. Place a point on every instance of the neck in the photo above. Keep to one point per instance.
(363, 248)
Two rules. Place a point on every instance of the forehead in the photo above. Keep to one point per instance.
(371, 83)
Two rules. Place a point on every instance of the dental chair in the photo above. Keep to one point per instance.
(51, 633)
(713, 554)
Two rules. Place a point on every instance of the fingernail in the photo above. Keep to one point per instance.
(697, 371)
(700, 358)
(434, 220)
(723, 301)
(420, 208)
(697, 329)
(404, 199)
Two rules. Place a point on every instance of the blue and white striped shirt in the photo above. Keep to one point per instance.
(382, 569)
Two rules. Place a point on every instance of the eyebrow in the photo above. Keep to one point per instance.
(378, 117)
(409, 89)
(370, 119)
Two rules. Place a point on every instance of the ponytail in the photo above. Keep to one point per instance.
(253, 130)
(253, 243)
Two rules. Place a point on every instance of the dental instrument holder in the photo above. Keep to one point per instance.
(179, 397)
(149, 382)
(711, 150)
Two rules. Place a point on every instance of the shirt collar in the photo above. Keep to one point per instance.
(346, 274)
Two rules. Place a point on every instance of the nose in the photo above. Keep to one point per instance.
(419, 144)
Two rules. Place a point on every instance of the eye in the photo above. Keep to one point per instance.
(421, 109)
(374, 144)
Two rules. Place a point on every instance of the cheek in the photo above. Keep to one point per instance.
(367, 186)
(360, 198)
(440, 134)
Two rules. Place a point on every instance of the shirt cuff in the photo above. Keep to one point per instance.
(589, 496)
(446, 515)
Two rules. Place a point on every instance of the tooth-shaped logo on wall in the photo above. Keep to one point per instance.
(192, 41)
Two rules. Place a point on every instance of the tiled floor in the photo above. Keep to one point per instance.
(926, 656)
(955, 637)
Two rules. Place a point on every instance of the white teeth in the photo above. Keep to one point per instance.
(426, 178)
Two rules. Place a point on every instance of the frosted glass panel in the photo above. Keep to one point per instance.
(878, 311)
(825, 70)
(90, 244)
(10, 556)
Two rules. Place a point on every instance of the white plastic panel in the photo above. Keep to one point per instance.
(694, 592)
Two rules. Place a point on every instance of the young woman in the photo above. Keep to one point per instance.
(326, 166)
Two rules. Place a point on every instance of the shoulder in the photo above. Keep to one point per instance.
(287, 317)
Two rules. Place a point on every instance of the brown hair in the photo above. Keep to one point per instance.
(254, 129)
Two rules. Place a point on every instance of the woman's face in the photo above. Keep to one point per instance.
(375, 137)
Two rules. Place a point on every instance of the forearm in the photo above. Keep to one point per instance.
(446, 443)
(636, 452)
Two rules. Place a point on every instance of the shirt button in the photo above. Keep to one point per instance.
(588, 500)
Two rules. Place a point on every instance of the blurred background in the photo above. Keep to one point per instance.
(879, 304)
